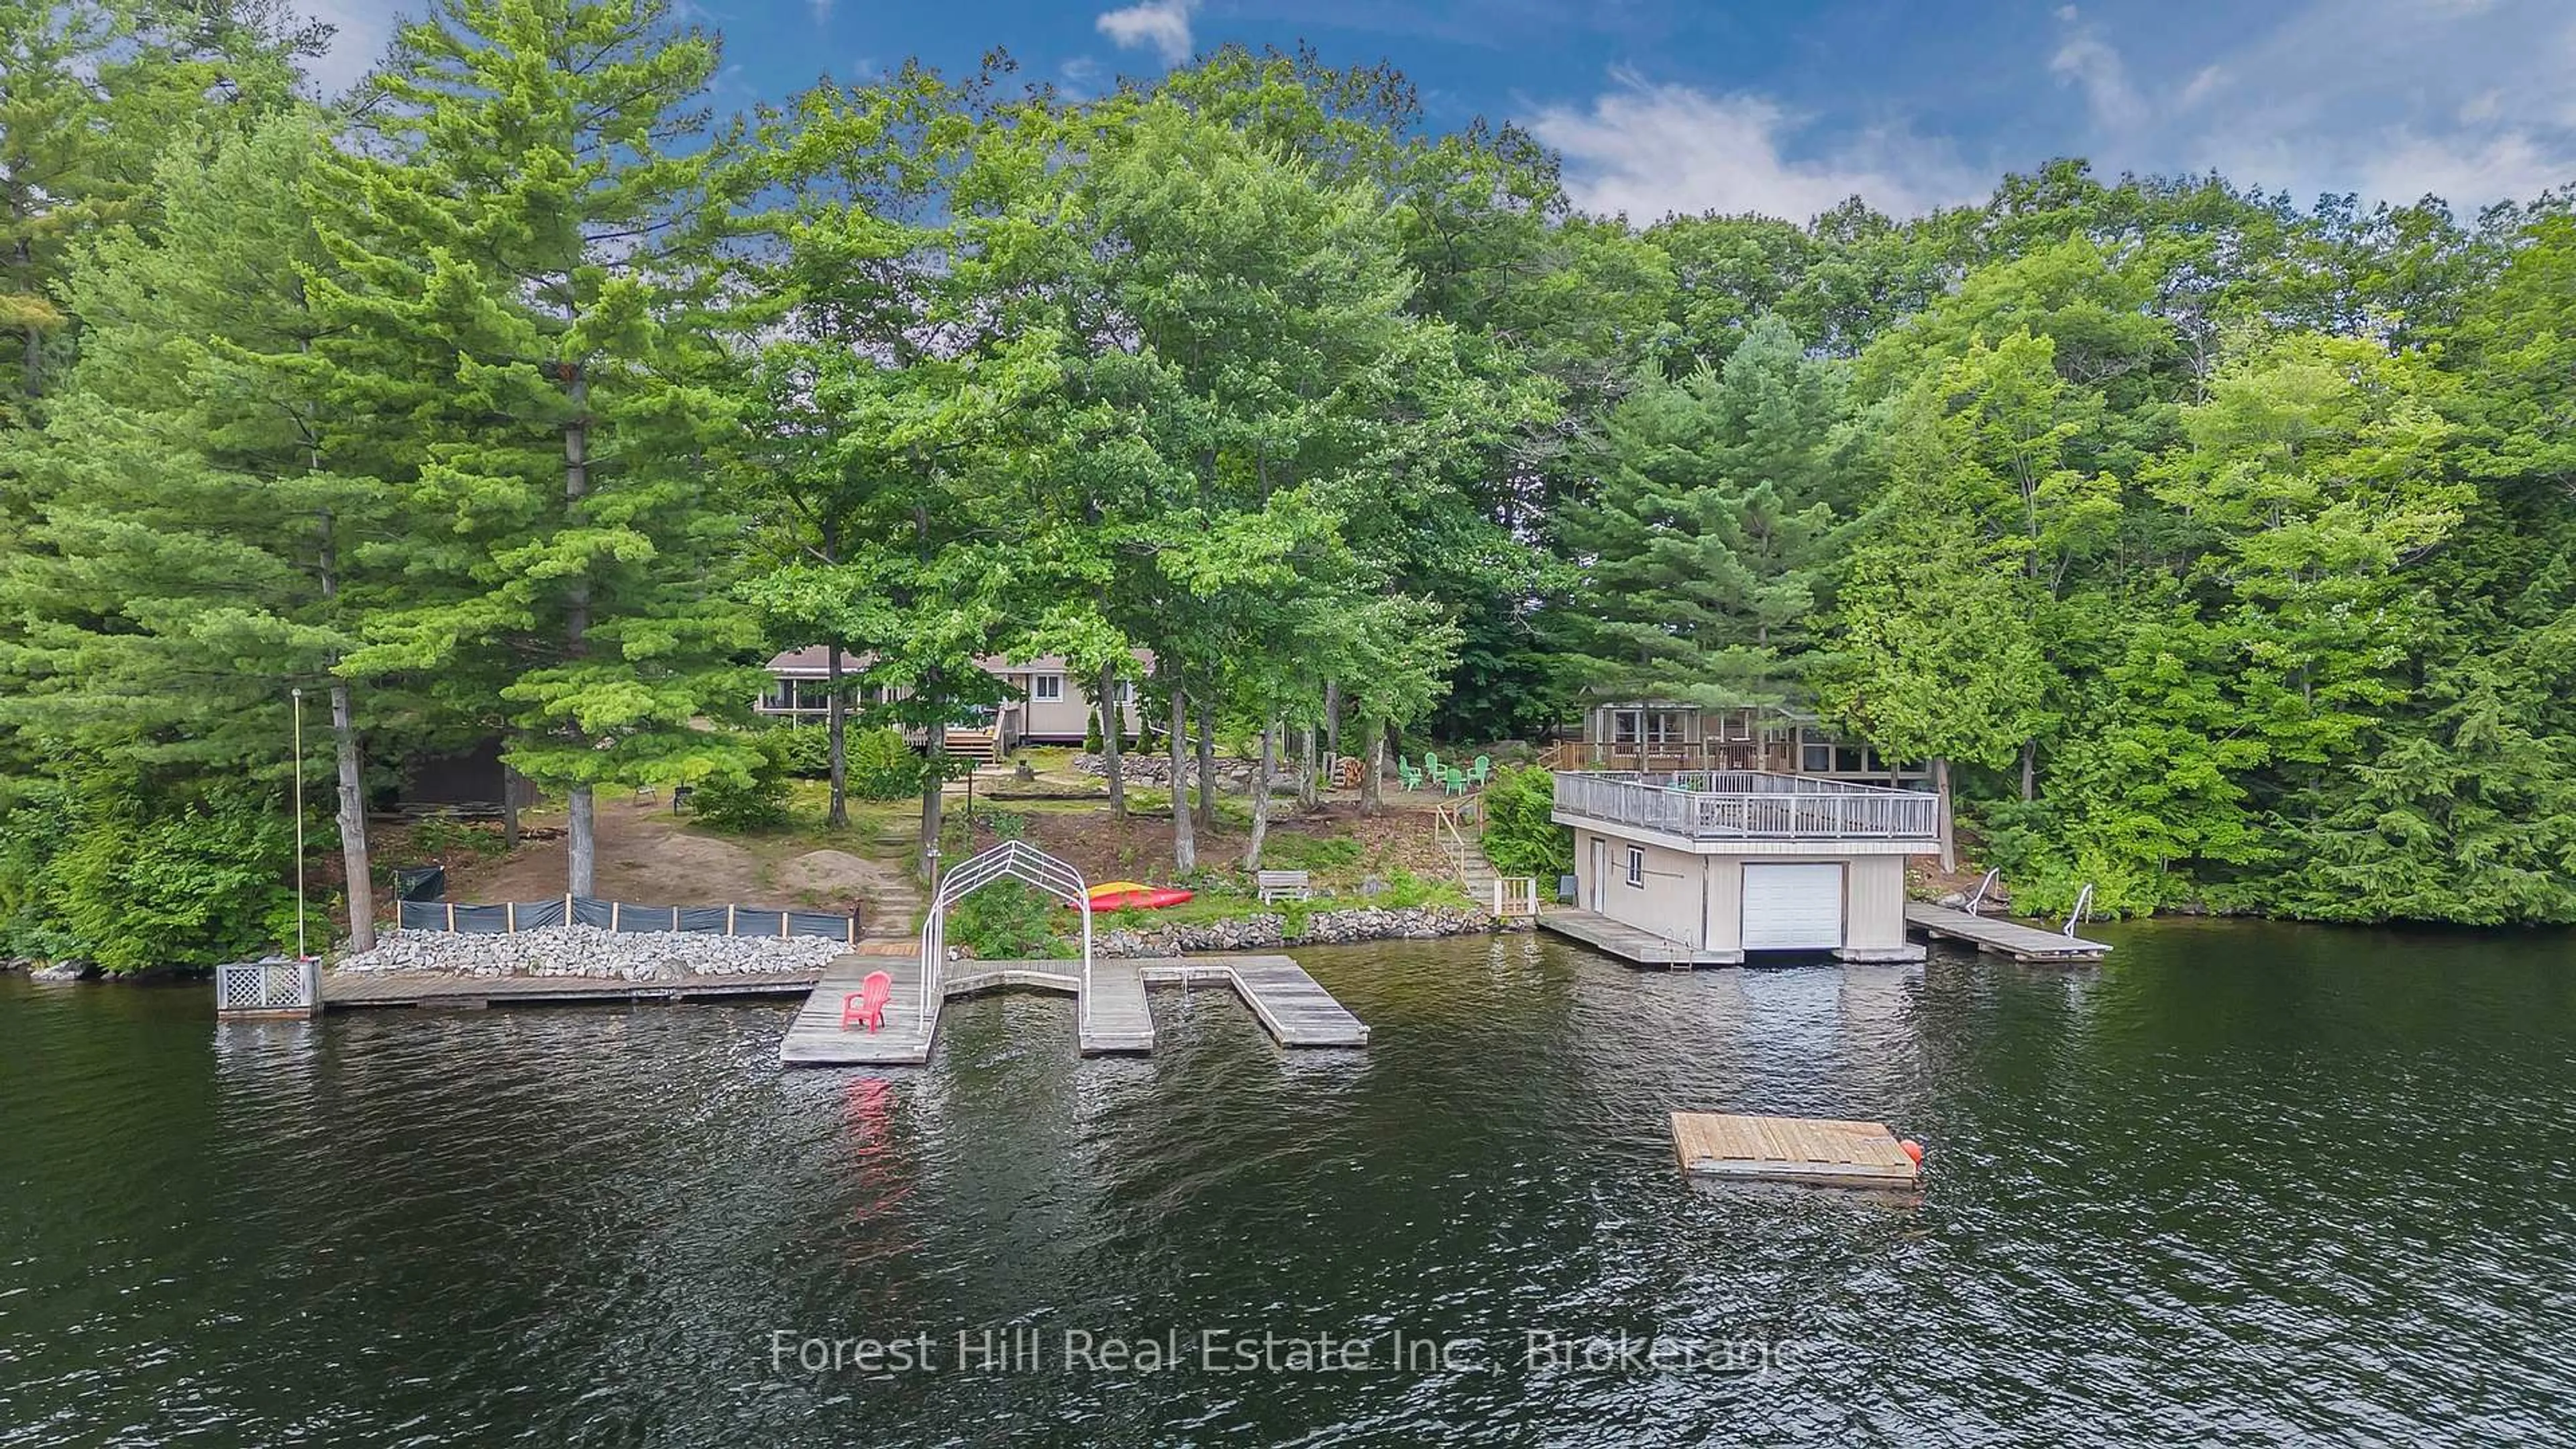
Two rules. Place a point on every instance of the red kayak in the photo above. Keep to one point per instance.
(1127, 895)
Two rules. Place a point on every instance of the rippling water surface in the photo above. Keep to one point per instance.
(2245, 1184)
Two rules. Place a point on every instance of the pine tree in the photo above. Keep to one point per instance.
(1706, 549)
(530, 309)
(189, 526)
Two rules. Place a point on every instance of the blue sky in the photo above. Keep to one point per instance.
(1786, 107)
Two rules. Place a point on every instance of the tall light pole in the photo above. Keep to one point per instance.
(297, 695)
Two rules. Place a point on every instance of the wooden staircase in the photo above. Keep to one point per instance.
(977, 745)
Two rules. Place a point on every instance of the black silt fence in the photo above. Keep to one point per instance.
(623, 916)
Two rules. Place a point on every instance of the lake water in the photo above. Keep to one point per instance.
(2244, 1184)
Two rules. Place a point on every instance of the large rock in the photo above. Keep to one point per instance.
(73, 969)
(591, 951)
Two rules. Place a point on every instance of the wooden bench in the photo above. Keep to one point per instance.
(1282, 885)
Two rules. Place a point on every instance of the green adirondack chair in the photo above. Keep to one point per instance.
(1431, 764)
(1453, 779)
(1481, 771)
(1411, 777)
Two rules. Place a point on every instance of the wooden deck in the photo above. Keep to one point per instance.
(814, 1036)
(406, 988)
(1816, 1151)
(1633, 944)
(1286, 1001)
(2002, 938)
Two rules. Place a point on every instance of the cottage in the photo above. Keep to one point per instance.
(1712, 865)
(1667, 735)
(1045, 704)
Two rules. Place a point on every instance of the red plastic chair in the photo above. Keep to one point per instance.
(868, 1003)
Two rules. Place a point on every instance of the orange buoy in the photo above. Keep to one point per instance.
(1912, 1148)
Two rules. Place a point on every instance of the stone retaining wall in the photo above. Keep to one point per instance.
(1155, 771)
(1268, 932)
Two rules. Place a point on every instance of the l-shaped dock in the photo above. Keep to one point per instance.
(1640, 947)
(1111, 1017)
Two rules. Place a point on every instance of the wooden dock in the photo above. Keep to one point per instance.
(1813, 1151)
(1629, 943)
(814, 1035)
(1999, 937)
(1115, 1018)
(435, 989)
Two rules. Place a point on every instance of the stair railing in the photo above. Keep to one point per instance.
(2083, 902)
(1984, 886)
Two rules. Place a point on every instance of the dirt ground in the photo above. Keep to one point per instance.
(651, 856)
(1139, 848)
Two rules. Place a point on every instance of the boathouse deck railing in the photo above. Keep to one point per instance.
(1748, 805)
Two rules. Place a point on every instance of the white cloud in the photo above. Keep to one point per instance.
(1163, 25)
(360, 30)
(2393, 99)
(1652, 150)
(2085, 59)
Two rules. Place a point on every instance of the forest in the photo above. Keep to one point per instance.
(2220, 547)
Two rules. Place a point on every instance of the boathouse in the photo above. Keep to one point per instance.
(1704, 867)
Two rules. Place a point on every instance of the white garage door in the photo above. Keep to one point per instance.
(1793, 907)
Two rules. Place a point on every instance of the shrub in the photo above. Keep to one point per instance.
(1007, 921)
(881, 765)
(1520, 839)
(203, 884)
(807, 750)
(756, 801)
(1091, 741)
(438, 837)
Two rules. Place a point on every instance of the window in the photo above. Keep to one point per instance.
(1633, 727)
(1046, 686)
(1126, 691)
(1636, 867)
(1816, 757)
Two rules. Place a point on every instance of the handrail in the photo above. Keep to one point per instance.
(2075, 917)
(1749, 804)
(1018, 859)
(1983, 886)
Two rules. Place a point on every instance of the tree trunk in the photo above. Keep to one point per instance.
(1185, 845)
(934, 778)
(2029, 770)
(1207, 766)
(509, 810)
(1941, 788)
(1308, 787)
(1371, 801)
(1332, 719)
(580, 830)
(353, 783)
(836, 726)
(353, 822)
(1113, 724)
(1260, 798)
(581, 839)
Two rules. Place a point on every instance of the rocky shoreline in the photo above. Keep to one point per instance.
(1320, 928)
(592, 951)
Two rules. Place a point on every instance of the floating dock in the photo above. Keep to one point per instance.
(1112, 1018)
(2000, 938)
(426, 988)
(1633, 944)
(1814, 1151)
